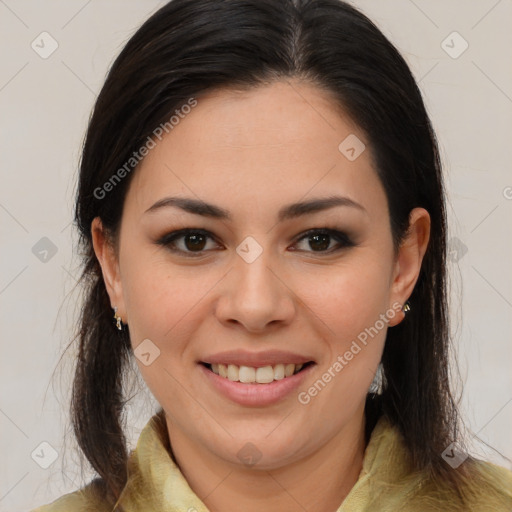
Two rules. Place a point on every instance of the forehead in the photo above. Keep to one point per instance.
(265, 145)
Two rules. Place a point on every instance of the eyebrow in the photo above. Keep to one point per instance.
(199, 207)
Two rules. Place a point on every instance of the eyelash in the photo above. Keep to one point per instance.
(167, 240)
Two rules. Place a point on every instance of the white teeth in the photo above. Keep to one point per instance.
(262, 375)
(289, 369)
(279, 371)
(223, 370)
(233, 372)
(247, 374)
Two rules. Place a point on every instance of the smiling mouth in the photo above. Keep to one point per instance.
(260, 375)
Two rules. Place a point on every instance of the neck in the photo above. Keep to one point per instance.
(317, 483)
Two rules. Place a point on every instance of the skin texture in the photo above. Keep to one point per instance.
(251, 153)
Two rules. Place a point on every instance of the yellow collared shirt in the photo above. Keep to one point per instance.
(156, 484)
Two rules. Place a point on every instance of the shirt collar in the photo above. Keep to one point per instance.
(156, 483)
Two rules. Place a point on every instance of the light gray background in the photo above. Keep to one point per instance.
(45, 105)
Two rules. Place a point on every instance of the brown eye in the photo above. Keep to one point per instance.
(319, 240)
(189, 242)
(194, 242)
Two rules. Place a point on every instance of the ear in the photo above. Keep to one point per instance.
(410, 256)
(107, 257)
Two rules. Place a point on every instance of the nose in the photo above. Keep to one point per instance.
(256, 295)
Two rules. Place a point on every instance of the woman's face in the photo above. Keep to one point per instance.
(252, 289)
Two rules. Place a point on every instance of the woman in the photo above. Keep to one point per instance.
(262, 218)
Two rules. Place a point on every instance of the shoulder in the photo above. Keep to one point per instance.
(480, 486)
(86, 499)
(483, 486)
(393, 485)
(489, 486)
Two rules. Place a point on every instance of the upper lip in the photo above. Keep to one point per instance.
(256, 359)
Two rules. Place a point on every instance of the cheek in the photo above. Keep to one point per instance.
(354, 307)
(166, 308)
(347, 298)
(158, 302)
(166, 302)
(350, 303)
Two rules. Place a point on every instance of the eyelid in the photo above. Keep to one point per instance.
(343, 239)
(172, 236)
(341, 236)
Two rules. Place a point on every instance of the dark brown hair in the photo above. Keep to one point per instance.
(189, 47)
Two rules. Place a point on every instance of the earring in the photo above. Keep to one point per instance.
(117, 319)
(406, 307)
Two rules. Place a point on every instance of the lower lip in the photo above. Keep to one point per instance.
(256, 395)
